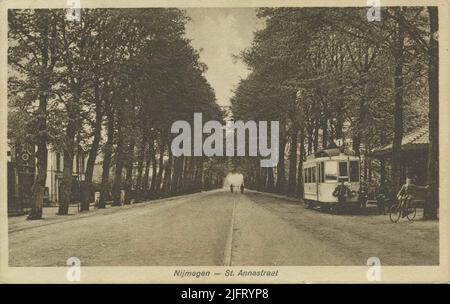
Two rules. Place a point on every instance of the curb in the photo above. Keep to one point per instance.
(285, 197)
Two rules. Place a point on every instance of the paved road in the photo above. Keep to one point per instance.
(220, 228)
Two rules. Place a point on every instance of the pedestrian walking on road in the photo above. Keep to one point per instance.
(231, 188)
(242, 188)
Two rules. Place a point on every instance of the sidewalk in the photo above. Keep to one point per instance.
(294, 199)
(49, 217)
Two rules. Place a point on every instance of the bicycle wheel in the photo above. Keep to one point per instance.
(411, 215)
(394, 213)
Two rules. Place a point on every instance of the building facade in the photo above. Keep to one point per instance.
(22, 172)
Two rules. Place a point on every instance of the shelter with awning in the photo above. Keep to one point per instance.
(414, 151)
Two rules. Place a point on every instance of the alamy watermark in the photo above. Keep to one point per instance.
(73, 274)
(213, 145)
(74, 12)
(374, 272)
(374, 11)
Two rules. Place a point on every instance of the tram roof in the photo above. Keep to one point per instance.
(331, 153)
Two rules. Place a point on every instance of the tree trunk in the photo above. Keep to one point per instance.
(292, 184)
(66, 185)
(154, 172)
(270, 179)
(145, 180)
(41, 163)
(339, 123)
(129, 172)
(42, 153)
(142, 153)
(264, 178)
(398, 113)
(316, 135)
(300, 188)
(166, 190)
(87, 189)
(179, 181)
(356, 145)
(430, 211)
(259, 182)
(281, 172)
(382, 163)
(117, 185)
(176, 174)
(187, 180)
(310, 139)
(200, 174)
(325, 130)
(161, 164)
(107, 160)
(366, 168)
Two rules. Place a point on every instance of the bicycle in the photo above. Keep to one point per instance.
(397, 210)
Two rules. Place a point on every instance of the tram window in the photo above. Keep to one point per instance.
(354, 171)
(313, 175)
(322, 173)
(343, 171)
(331, 171)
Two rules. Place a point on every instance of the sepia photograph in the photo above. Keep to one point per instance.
(225, 142)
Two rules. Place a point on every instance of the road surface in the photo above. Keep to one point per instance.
(220, 228)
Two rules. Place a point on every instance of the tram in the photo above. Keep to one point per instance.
(323, 171)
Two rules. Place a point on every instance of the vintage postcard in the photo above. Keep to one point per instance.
(224, 141)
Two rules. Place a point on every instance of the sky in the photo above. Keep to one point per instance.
(235, 179)
(221, 33)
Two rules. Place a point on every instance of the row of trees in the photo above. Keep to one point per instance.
(110, 84)
(329, 73)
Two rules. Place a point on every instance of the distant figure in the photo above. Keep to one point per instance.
(231, 188)
(341, 192)
(242, 188)
(363, 195)
(381, 197)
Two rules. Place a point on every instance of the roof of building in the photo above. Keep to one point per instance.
(417, 139)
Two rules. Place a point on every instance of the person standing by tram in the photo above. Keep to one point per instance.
(231, 188)
(341, 192)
